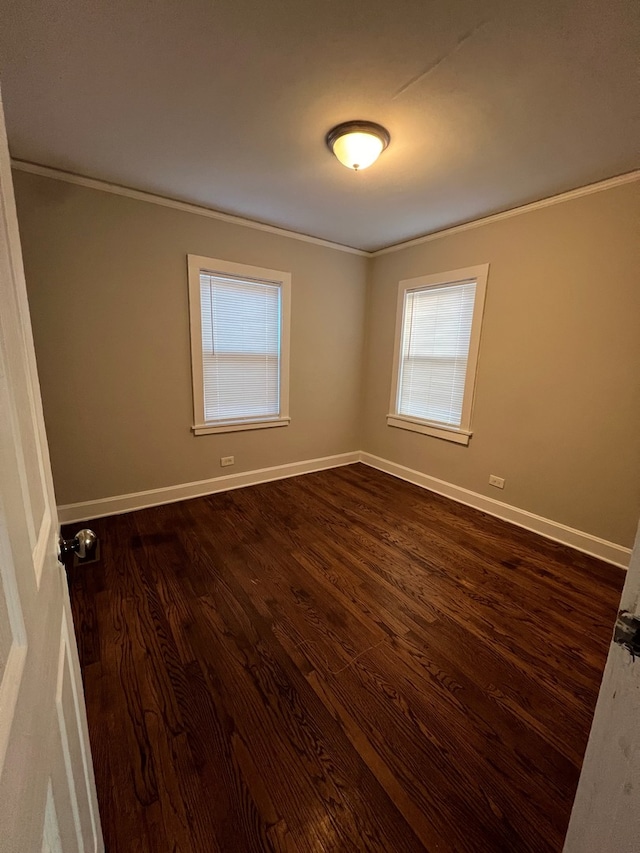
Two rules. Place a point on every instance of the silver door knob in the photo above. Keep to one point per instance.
(82, 544)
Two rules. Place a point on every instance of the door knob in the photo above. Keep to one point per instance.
(82, 544)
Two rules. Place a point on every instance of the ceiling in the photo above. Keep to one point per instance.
(225, 103)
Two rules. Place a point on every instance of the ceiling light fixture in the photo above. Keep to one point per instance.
(358, 144)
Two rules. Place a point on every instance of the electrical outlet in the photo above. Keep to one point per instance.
(225, 461)
(498, 482)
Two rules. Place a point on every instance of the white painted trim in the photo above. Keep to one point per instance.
(9, 690)
(477, 274)
(237, 426)
(66, 642)
(581, 541)
(51, 842)
(184, 206)
(458, 436)
(199, 210)
(599, 186)
(610, 552)
(64, 736)
(9, 586)
(42, 545)
(196, 265)
(14, 666)
(170, 494)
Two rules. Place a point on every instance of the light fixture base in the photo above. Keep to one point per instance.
(358, 127)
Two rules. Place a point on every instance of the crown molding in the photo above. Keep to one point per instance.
(600, 186)
(185, 207)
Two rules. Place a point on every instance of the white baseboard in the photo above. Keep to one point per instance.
(585, 542)
(70, 513)
(578, 539)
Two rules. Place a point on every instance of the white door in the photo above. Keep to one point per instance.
(47, 790)
(606, 811)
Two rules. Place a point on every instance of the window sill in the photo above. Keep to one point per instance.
(236, 426)
(459, 436)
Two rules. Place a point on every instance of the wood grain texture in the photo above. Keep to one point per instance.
(337, 662)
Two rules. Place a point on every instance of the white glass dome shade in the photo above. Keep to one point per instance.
(358, 144)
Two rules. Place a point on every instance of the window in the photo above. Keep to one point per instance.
(239, 345)
(436, 353)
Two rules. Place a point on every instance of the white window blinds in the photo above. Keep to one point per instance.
(435, 348)
(241, 326)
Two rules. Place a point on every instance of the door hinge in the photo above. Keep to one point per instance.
(627, 632)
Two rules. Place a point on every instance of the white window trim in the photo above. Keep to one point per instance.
(196, 264)
(462, 434)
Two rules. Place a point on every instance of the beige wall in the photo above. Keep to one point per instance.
(557, 409)
(107, 281)
(557, 404)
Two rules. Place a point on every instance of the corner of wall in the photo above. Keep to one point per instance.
(366, 340)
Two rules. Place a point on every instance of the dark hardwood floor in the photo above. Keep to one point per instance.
(337, 662)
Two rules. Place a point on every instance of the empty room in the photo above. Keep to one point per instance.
(319, 446)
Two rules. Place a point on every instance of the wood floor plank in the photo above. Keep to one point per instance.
(297, 727)
(440, 581)
(337, 662)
